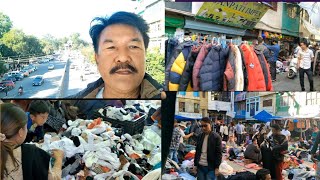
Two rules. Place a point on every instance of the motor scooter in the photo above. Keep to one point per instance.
(293, 68)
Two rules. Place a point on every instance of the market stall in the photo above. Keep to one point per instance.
(115, 144)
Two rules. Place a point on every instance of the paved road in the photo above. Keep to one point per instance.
(75, 82)
(49, 89)
(285, 84)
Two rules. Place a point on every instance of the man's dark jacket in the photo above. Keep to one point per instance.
(214, 150)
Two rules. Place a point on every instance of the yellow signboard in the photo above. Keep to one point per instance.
(238, 14)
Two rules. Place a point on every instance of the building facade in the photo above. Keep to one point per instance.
(188, 105)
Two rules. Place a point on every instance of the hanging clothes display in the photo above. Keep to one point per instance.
(195, 66)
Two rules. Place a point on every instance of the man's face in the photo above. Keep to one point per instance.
(121, 57)
(275, 131)
(206, 128)
(303, 46)
(40, 119)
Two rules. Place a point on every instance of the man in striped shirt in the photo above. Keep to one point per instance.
(305, 57)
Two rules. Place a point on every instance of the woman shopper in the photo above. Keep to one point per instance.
(23, 161)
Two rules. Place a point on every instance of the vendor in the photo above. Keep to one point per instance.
(253, 152)
(37, 116)
(23, 161)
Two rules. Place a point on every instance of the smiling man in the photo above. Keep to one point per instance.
(120, 43)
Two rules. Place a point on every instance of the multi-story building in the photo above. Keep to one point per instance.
(153, 12)
(188, 105)
(219, 106)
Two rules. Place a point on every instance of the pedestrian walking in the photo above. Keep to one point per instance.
(275, 49)
(305, 57)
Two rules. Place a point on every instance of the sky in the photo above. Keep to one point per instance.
(60, 18)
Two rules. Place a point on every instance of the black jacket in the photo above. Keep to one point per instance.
(150, 89)
(214, 150)
(35, 162)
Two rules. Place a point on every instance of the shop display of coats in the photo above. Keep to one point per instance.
(193, 66)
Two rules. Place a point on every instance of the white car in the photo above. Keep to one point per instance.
(50, 67)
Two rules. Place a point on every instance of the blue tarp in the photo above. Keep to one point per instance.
(264, 116)
(183, 118)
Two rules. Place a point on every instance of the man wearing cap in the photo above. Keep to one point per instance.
(279, 146)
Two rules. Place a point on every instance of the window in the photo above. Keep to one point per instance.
(292, 11)
(267, 103)
(312, 98)
(182, 93)
(182, 107)
(196, 107)
(195, 94)
(284, 101)
(214, 96)
(247, 107)
(257, 106)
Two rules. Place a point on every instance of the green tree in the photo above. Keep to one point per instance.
(5, 24)
(155, 64)
(88, 52)
(77, 42)
(50, 44)
(21, 44)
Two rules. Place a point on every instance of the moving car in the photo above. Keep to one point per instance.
(38, 81)
(25, 73)
(50, 67)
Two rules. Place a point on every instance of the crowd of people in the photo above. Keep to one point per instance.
(264, 144)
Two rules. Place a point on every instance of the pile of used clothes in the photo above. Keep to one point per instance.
(93, 150)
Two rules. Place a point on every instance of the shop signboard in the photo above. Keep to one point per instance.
(237, 14)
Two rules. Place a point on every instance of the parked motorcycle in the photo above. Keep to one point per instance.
(293, 68)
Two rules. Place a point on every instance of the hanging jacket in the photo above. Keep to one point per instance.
(197, 65)
(244, 68)
(186, 79)
(178, 65)
(229, 73)
(173, 50)
(265, 68)
(212, 70)
(256, 81)
(239, 74)
(266, 52)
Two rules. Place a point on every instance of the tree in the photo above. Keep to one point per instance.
(155, 64)
(21, 44)
(77, 42)
(50, 44)
(88, 52)
(5, 24)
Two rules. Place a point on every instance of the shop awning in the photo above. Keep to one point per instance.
(211, 27)
(184, 118)
(264, 116)
(313, 9)
(174, 22)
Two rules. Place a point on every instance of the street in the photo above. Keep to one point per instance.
(75, 82)
(283, 83)
(48, 89)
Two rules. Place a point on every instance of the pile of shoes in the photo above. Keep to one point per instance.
(92, 150)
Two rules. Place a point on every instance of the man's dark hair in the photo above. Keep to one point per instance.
(274, 40)
(260, 39)
(276, 126)
(305, 42)
(206, 120)
(261, 174)
(121, 17)
(38, 107)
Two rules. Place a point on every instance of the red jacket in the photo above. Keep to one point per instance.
(256, 81)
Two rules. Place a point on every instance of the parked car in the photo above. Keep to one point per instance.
(18, 76)
(50, 67)
(13, 73)
(8, 84)
(25, 73)
(27, 69)
(38, 81)
(10, 78)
